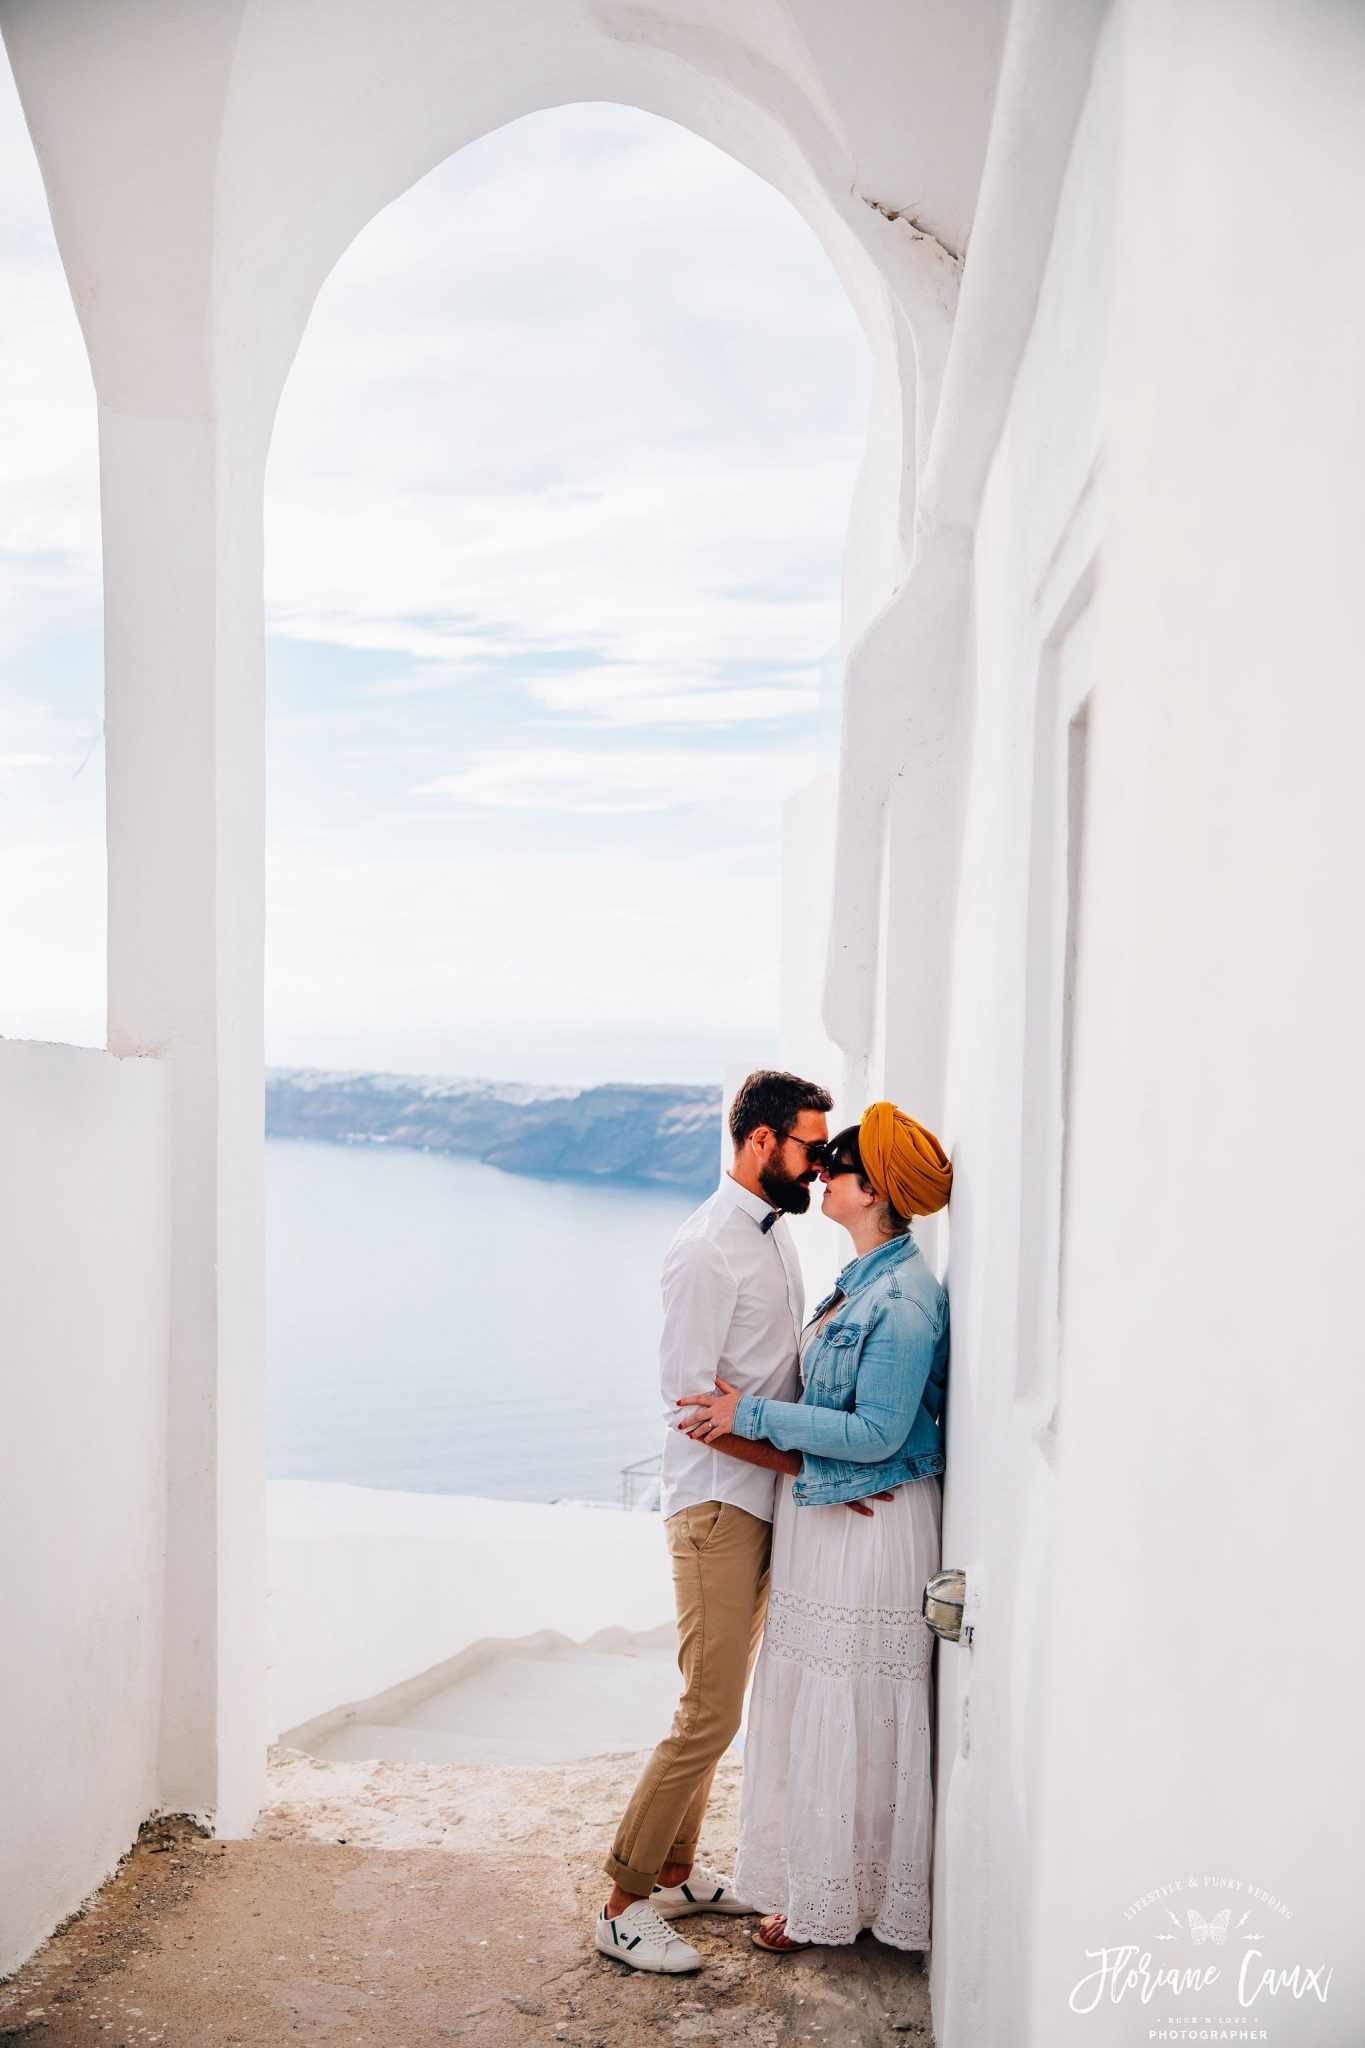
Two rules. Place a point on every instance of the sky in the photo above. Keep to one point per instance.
(554, 523)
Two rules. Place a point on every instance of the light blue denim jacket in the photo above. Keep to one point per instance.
(869, 1415)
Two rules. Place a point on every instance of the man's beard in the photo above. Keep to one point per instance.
(792, 1197)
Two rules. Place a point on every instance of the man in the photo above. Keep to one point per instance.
(733, 1309)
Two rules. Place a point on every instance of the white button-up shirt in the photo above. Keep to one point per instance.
(733, 1309)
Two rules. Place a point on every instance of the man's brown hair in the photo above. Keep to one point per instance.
(775, 1099)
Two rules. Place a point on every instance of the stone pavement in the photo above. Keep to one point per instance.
(405, 1906)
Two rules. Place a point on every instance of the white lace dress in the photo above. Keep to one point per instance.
(836, 1809)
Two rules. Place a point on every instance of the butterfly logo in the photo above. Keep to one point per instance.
(1202, 1930)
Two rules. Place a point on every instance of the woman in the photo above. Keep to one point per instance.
(836, 1812)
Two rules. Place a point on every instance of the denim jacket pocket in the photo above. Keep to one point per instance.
(835, 1365)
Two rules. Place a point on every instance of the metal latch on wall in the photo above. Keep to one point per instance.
(944, 1599)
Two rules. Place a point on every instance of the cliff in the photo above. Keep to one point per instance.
(617, 1132)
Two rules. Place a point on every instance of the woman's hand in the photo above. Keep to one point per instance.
(712, 1415)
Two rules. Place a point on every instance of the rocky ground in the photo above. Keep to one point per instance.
(405, 1906)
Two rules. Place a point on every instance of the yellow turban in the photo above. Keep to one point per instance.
(904, 1162)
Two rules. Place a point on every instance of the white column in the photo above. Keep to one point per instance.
(890, 945)
(126, 106)
(186, 912)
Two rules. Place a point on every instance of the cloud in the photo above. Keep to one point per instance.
(640, 570)
(462, 962)
(49, 476)
(52, 930)
(589, 389)
(554, 524)
(600, 784)
(630, 696)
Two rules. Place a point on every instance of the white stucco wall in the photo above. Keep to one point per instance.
(1201, 1709)
(1141, 1489)
(84, 1267)
(805, 1047)
(1037, 530)
(370, 1588)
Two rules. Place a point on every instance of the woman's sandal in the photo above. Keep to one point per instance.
(771, 1934)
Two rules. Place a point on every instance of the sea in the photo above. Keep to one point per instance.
(438, 1326)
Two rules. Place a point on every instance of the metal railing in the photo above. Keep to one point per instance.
(640, 1483)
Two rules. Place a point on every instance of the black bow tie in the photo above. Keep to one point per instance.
(768, 1221)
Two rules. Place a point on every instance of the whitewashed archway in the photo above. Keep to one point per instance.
(206, 170)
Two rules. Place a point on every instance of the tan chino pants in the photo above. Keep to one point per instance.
(720, 1580)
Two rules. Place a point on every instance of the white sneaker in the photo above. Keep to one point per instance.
(705, 1891)
(640, 1938)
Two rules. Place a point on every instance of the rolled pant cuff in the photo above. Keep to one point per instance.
(633, 1881)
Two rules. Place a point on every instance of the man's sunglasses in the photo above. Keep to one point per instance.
(818, 1155)
(815, 1153)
